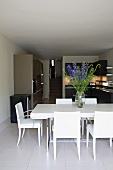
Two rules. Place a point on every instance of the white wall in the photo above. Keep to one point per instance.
(7, 51)
(77, 59)
(109, 57)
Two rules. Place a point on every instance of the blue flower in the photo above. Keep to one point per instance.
(80, 76)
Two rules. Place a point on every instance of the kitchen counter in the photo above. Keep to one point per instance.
(105, 89)
(108, 88)
(104, 94)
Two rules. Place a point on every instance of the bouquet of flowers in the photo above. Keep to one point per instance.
(80, 76)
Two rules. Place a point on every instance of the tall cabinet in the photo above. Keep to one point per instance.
(23, 74)
(27, 69)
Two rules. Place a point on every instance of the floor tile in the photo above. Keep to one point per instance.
(46, 168)
(12, 168)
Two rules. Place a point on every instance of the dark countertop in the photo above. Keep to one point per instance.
(108, 89)
(23, 95)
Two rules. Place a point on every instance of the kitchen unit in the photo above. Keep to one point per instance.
(101, 87)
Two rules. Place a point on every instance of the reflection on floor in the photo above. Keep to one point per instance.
(29, 156)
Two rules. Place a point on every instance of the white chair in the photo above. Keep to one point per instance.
(88, 101)
(60, 101)
(102, 128)
(64, 101)
(66, 125)
(26, 123)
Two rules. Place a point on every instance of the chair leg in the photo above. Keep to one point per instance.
(86, 122)
(94, 148)
(87, 138)
(42, 129)
(78, 145)
(50, 127)
(54, 148)
(47, 134)
(82, 126)
(19, 136)
(39, 136)
(23, 133)
(110, 142)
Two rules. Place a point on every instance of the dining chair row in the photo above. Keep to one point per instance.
(67, 125)
(69, 101)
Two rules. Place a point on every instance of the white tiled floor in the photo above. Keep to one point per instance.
(29, 156)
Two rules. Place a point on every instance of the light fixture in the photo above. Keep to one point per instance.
(52, 62)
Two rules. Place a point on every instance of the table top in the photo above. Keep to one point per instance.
(45, 111)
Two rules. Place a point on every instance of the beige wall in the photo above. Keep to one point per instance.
(37, 68)
(45, 78)
(7, 51)
(77, 59)
(58, 68)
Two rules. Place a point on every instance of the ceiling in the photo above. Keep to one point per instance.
(55, 28)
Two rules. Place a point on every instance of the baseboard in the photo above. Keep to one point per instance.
(4, 124)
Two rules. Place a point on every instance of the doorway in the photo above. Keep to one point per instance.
(55, 69)
(52, 69)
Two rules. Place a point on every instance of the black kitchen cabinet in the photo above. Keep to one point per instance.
(70, 92)
(24, 98)
(103, 96)
(102, 70)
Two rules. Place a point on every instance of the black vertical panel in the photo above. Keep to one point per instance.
(14, 100)
(101, 71)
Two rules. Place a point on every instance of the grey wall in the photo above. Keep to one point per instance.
(58, 68)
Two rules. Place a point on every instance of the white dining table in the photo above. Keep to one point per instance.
(46, 111)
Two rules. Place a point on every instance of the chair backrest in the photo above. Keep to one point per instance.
(103, 124)
(64, 101)
(90, 100)
(67, 124)
(19, 111)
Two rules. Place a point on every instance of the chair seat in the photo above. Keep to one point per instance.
(30, 123)
(26, 123)
(90, 118)
(90, 128)
(37, 123)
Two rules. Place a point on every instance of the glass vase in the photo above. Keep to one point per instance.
(80, 99)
